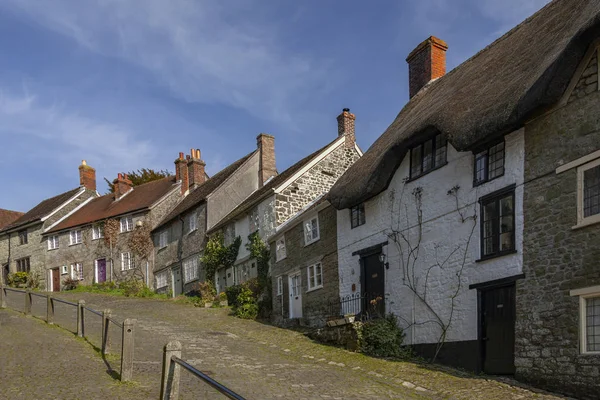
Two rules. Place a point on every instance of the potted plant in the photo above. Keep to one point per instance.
(223, 299)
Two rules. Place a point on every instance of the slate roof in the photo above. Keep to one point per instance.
(201, 192)
(42, 209)
(491, 94)
(103, 207)
(268, 188)
(7, 217)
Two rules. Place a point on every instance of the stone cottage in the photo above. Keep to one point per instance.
(284, 196)
(448, 239)
(304, 266)
(179, 239)
(108, 238)
(22, 245)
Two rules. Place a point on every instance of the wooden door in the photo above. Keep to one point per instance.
(55, 280)
(498, 330)
(374, 285)
(177, 287)
(295, 296)
(101, 270)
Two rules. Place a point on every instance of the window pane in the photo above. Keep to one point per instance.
(489, 234)
(593, 324)
(427, 155)
(415, 161)
(441, 146)
(496, 161)
(480, 162)
(318, 275)
(311, 277)
(591, 191)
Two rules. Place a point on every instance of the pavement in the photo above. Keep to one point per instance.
(256, 360)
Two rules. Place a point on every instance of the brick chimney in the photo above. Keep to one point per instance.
(196, 174)
(266, 168)
(425, 63)
(346, 127)
(87, 176)
(122, 185)
(181, 172)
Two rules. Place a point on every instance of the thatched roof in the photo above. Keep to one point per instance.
(489, 95)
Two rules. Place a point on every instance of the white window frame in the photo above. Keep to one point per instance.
(64, 270)
(592, 219)
(77, 271)
(126, 265)
(190, 269)
(53, 242)
(312, 281)
(192, 222)
(161, 280)
(75, 237)
(163, 239)
(126, 224)
(97, 232)
(280, 286)
(309, 240)
(280, 249)
(584, 294)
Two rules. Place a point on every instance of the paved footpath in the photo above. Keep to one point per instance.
(260, 361)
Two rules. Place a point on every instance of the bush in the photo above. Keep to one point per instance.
(207, 291)
(132, 287)
(381, 337)
(232, 293)
(70, 283)
(18, 279)
(246, 306)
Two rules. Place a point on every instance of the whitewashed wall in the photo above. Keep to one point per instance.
(443, 235)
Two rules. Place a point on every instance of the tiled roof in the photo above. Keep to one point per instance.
(258, 195)
(101, 208)
(8, 217)
(42, 209)
(202, 191)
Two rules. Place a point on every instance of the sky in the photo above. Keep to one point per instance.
(128, 84)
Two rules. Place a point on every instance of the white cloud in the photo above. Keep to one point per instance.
(202, 51)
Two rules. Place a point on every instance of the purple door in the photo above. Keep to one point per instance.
(101, 265)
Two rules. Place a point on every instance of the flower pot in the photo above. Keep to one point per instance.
(208, 304)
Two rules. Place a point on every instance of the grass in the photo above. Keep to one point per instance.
(124, 289)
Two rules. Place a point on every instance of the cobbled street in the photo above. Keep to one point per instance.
(256, 360)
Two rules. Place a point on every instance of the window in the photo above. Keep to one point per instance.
(163, 239)
(280, 252)
(498, 223)
(97, 232)
(161, 280)
(53, 242)
(428, 156)
(357, 215)
(126, 223)
(279, 285)
(588, 177)
(23, 237)
(589, 319)
(64, 270)
(192, 218)
(489, 164)
(77, 271)
(311, 230)
(23, 264)
(75, 237)
(190, 269)
(315, 276)
(126, 261)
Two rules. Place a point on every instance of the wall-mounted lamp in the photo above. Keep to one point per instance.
(382, 259)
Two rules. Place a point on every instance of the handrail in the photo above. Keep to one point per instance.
(93, 311)
(119, 324)
(65, 302)
(14, 289)
(199, 374)
(38, 294)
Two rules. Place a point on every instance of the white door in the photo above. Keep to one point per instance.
(295, 296)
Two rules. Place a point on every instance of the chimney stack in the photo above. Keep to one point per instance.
(181, 173)
(346, 127)
(195, 166)
(87, 176)
(426, 63)
(122, 185)
(266, 168)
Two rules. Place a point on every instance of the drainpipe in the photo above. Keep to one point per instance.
(147, 284)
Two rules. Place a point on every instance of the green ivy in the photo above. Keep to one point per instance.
(260, 251)
(217, 255)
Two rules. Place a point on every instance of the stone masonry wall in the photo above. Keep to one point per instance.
(588, 83)
(556, 257)
(318, 180)
(315, 304)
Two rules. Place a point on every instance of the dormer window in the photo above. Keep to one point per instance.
(427, 156)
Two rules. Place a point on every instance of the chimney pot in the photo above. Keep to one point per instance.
(266, 167)
(122, 185)
(87, 176)
(426, 63)
(346, 127)
(181, 172)
(195, 165)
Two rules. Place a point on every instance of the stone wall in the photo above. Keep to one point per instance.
(316, 181)
(588, 82)
(315, 303)
(556, 257)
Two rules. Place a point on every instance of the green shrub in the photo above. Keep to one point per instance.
(131, 287)
(232, 293)
(70, 283)
(18, 279)
(207, 291)
(246, 306)
(381, 337)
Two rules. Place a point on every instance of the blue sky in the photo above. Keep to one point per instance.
(127, 84)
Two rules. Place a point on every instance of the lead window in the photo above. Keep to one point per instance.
(489, 164)
(498, 223)
(357, 215)
(428, 156)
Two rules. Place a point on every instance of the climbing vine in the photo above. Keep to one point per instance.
(259, 250)
(218, 255)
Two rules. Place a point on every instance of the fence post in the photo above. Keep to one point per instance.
(49, 310)
(2, 297)
(169, 385)
(80, 323)
(105, 337)
(27, 302)
(127, 350)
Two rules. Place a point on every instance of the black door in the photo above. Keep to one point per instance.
(373, 285)
(498, 330)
